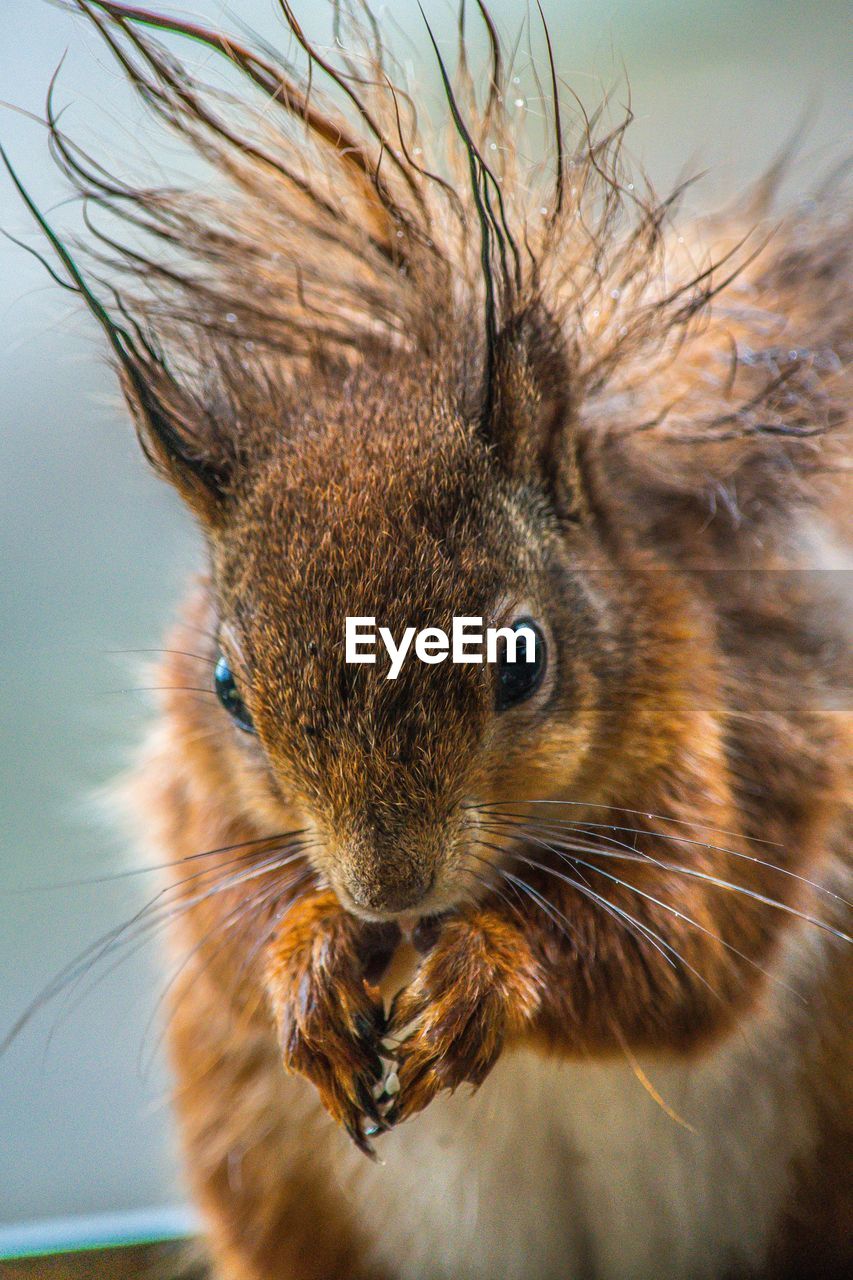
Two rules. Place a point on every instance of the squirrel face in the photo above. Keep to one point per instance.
(387, 504)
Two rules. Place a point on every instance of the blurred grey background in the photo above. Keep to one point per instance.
(95, 551)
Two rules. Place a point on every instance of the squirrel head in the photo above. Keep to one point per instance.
(411, 386)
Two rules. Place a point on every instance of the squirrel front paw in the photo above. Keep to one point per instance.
(476, 984)
(330, 1019)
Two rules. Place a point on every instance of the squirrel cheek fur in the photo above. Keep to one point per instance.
(424, 403)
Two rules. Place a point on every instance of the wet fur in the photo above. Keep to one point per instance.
(387, 384)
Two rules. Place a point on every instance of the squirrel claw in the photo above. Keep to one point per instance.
(360, 1140)
(367, 1102)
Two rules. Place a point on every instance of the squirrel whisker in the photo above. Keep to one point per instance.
(615, 808)
(141, 926)
(613, 849)
(585, 827)
(610, 907)
(248, 907)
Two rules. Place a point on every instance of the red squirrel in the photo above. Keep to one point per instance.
(535, 967)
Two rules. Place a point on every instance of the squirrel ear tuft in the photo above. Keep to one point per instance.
(532, 403)
(175, 434)
(177, 437)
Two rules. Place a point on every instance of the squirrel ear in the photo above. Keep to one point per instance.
(532, 403)
(177, 436)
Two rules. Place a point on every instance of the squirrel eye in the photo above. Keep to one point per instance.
(518, 680)
(226, 691)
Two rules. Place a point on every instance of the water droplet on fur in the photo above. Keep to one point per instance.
(231, 317)
(543, 211)
(493, 146)
(630, 186)
(519, 102)
(516, 79)
(418, 151)
(615, 294)
(399, 235)
(250, 346)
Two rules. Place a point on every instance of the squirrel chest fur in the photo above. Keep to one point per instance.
(410, 381)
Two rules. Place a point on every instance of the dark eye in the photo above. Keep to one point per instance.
(519, 679)
(226, 691)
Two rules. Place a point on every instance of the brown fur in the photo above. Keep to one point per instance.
(385, 392)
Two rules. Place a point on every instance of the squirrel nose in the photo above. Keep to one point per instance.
(389, 893)
(386, 870)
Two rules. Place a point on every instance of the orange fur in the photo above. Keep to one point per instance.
(386, 392)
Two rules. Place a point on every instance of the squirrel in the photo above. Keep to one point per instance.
(560, 942)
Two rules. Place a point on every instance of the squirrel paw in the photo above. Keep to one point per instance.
(331, 1021)
(477, 983)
